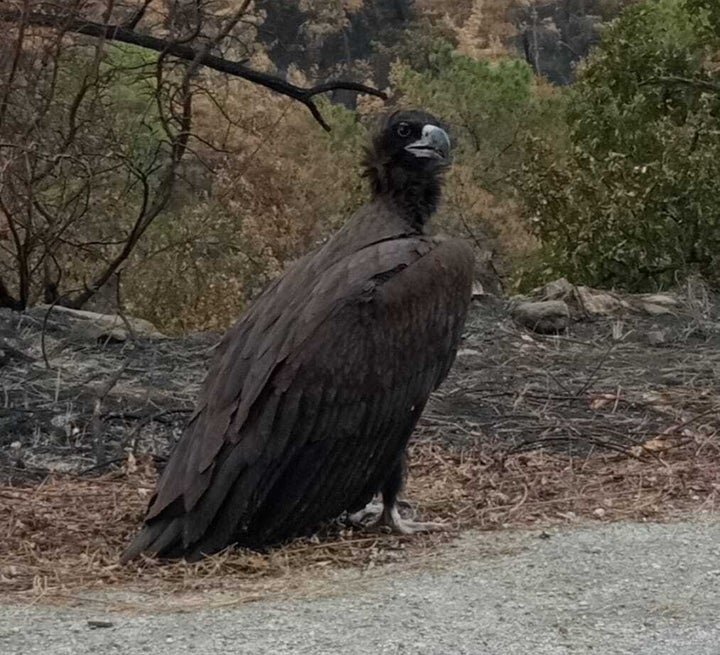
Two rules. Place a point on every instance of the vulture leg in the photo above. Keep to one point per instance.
(398, 525)
(368, 515)
(387, 513)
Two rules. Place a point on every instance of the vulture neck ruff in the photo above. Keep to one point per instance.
(415, 195)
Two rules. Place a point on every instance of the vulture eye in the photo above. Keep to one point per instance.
(403, 130)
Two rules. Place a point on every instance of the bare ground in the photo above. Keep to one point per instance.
(616, 418)
(615, 589)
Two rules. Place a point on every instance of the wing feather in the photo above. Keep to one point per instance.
(311, 399)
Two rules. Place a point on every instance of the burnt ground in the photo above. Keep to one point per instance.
(606, 382)
(77, 399)
(615, 418)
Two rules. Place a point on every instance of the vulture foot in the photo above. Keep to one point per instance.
(376, 514)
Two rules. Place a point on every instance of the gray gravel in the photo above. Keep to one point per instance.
(608, 589)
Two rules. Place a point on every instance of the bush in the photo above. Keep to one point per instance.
(491, 108)
(281, 186)
(80, 131)
(632, 201)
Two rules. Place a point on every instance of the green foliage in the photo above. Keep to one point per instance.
(286, 185)
(87, 140)
(119, 101)
(491, 108)
(486, 104)
(633, 200)
(131, 100)
(105, 120)
(707, 14)
(345, 142)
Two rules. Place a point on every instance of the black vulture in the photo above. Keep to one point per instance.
(313, 394)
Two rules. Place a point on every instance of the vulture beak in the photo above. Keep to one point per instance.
(434, 144)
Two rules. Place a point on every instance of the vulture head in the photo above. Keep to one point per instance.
(405, 159)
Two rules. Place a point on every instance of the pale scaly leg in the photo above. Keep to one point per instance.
(368, 515)
(387, 512)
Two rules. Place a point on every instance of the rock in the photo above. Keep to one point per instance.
(477, 289)
(99, 624)
(602, 303)
(557, 289)
(581, 300)
(663, 299)
(585, 301)
(468, 352)
(104, 326)
(655, 310)
(543, 316)
(656, 304)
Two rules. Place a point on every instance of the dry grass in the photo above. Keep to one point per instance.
(482, 27)
(65, 535)
(264, 199)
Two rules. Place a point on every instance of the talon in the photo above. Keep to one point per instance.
(377, 515)
(369, 515)
(397, 524)
(405, 505)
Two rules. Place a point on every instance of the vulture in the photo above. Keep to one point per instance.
(312, 396)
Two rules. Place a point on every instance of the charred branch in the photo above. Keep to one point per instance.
(700, 85)
(188, 53)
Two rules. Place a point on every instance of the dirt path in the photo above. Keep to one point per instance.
(616, 588)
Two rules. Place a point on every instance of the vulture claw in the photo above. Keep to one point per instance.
(368, 515)
(398, 525)
(375, 514)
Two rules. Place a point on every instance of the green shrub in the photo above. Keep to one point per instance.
(491, 107)
(633, 200)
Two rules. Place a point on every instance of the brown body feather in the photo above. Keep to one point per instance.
(314, 393)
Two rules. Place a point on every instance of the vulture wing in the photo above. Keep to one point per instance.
(312, 396)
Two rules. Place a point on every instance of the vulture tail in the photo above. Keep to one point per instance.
(162, 537)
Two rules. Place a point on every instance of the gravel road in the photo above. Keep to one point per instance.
(645, 589)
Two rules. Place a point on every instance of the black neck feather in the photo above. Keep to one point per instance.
(415, 194)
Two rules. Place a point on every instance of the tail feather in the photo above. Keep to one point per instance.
(162, 537)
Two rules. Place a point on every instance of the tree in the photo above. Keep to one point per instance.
(632, 202)
(491, 107)
(97, 105)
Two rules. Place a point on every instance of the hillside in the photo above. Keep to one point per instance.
(324, 38)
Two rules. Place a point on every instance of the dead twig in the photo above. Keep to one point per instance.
(97, 428)
(124, 34)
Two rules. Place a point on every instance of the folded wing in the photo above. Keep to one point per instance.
(312, 396)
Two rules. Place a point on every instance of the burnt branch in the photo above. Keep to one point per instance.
(673, 80)
(7, 299)
(16, 58)
(137, 16)
(124, 34)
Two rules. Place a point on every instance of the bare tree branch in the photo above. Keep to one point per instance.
(7, 299)
(673, 80)
(16, 59)
(137, 16)
(68, 161)
(235, 68)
